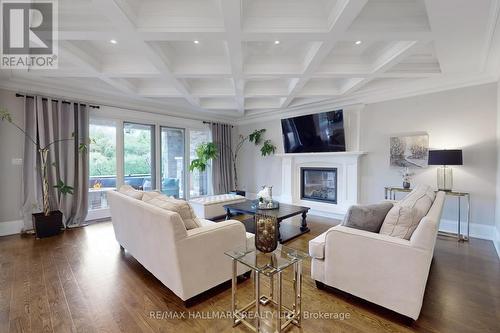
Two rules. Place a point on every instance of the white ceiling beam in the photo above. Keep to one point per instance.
(231, 12)
(385, 62)
(456, 23)
(346, 12)
(121, 16)
(84, 60)
(207, 36)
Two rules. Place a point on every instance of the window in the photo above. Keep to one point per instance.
(198, 180)
(139, 156)
(102, 162)
(172, 162)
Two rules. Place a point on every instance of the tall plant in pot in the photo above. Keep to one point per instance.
(206, 152)
(47, 223)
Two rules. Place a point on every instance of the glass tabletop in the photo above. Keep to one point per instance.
(268, 263)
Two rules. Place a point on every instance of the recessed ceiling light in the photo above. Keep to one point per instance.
(196, 42)
(276, 42)
(113, 41)
(358, 42)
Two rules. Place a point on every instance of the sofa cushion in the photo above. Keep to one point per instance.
(317, 246)
(150, 195)
(402, 220)
(179, 206)
(367, 217)
(217, 199)
(131, 192)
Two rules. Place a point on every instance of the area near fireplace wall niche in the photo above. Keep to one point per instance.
(346, 165)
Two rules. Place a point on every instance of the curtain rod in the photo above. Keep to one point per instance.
(211, 122)
(64, 102)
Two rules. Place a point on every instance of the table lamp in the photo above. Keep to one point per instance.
(445, 158)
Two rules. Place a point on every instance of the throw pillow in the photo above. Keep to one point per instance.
(179, 206)
(131, 192)
(367, 217)
(149, 195)
(402, 220)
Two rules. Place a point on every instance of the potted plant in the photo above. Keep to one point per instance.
(206, 152)
(48, 222)
(406, 177)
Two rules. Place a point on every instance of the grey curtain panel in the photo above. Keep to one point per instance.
(222, 166)
(66, 123)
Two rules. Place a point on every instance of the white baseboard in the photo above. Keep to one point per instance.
(11, 227)
(477, 230)
(496, 242)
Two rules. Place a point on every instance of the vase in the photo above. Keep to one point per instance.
(266, 233)
(406, 185)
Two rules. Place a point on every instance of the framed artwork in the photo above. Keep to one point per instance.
(410, 151)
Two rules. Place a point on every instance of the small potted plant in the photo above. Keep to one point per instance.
(48, 222)
(406, 177)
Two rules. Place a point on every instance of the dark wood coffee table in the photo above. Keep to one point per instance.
(286, 231)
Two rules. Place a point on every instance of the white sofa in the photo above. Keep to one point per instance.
(389, 271)
(188, 262)
(212, 206)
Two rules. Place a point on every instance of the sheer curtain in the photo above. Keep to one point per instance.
(48, 121)
(222, 172)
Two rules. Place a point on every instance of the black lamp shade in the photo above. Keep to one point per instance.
(445, 157)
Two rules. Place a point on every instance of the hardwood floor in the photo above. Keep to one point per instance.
(80, 281)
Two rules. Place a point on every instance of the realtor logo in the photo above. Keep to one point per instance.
(29, 34)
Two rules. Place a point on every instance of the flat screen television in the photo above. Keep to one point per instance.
(314, 133)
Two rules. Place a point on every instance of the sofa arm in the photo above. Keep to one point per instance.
(202, 254)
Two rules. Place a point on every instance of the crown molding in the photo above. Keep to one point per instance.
(369, 97)
(354, 101)
(111, 100)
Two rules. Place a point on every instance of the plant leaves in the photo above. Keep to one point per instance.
(205, 152)
(268, 148)
(256, 136)
(63, 188)
(5, 115)
(82, 148)
(197, 164)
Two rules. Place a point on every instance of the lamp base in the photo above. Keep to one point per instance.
(445, 178)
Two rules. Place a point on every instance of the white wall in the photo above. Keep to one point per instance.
(497, 210)
(11, 147)
(463, 118)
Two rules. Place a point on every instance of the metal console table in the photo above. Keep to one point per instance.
(390, 194)
(270, 265)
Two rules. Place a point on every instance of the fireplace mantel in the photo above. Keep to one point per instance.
(340, 153)
(347, 164)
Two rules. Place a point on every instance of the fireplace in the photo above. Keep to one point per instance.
(319, 184)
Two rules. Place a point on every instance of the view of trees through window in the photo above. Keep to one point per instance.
(139, 160)
(102, 152)
(102, 162)
(138, 153)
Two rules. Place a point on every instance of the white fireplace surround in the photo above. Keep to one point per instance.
(347, 164)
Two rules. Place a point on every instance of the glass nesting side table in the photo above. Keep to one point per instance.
(270, 265)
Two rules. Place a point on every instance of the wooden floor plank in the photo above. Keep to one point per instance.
(81, 281)
(19, 316)
(60, 314)
(39, 304)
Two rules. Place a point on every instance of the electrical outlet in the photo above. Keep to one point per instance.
(17, 161)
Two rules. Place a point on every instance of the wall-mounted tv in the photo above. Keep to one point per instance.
(314, 133)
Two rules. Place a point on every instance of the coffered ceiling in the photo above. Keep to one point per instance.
(233, 58)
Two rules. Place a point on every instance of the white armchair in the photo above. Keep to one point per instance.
(389, 271)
